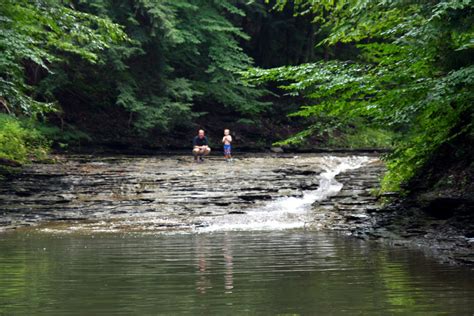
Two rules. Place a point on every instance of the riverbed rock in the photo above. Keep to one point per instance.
(145, 189)
(438, 223)
(277, 150)
(350, 209)
(172, 193)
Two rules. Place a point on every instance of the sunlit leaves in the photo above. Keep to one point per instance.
(41, 32)
(413, 72)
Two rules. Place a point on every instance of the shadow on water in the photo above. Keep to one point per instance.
(225, 272)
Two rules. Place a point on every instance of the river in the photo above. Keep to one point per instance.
(161, 235)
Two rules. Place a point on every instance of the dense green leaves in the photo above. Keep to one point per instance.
(20, 141)
(162, 62)
(134, 68)
(36, 34)
(184, 57)
(413, 72)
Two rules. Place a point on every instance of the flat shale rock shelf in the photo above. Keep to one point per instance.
(84, 193)
(352, 208)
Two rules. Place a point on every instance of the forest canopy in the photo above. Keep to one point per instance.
(412, 71)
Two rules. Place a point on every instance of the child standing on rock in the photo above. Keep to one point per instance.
(227, 140)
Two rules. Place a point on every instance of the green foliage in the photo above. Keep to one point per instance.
(36, 37)
(161, 63)
(36, 34)
(19, 141)
(366, 137)
(184, 56)
(332, 133)
(63, 138)
(413, 73)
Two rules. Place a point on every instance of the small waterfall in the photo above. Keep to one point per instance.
(289, 212)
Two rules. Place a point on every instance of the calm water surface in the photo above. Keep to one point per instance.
(286, 272)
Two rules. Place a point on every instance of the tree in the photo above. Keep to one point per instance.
(36, 34)
(183, 59)
(35, 37)
(413, 72)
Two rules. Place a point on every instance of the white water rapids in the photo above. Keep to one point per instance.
(289, 212)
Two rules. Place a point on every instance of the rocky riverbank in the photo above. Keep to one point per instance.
(171, 193)
(445, 231)
(149, 193)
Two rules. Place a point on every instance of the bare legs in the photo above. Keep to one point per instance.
(198, 152)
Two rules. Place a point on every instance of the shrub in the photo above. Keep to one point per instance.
(20, 141)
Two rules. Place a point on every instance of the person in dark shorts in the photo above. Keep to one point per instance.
(200, 146)
(227, 141)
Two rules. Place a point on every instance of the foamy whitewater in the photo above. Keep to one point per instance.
(289, 212)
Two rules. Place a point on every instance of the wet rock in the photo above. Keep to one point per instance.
(9, 163)
(351, 208)
(222, 203)
(23, 192)
(351, 217)
(255, 197)
(111, 188)
(150, 193)
(236, 212)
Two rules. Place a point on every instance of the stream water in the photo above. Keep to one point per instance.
(149, 236)
(271, 272)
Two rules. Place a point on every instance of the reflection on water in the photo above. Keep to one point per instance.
(203, 255)
(229, 278)
(223, 273)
